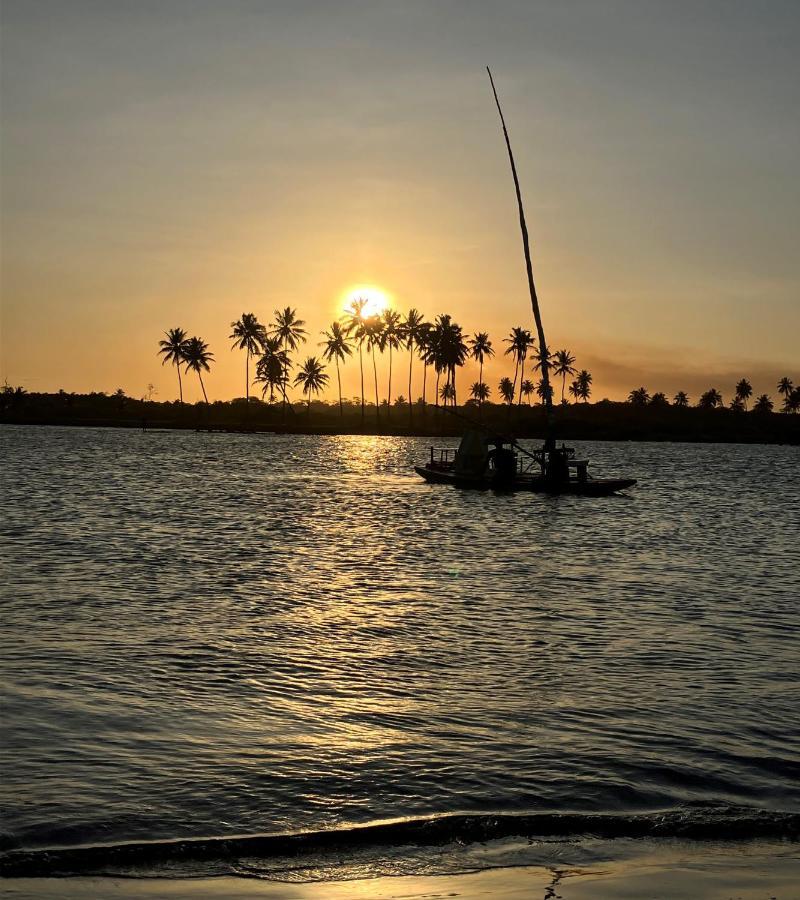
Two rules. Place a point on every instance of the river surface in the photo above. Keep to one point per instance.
(212, 635)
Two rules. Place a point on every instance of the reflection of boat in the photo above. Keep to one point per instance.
(483, 462)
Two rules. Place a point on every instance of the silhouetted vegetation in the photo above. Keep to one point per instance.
(440, 345)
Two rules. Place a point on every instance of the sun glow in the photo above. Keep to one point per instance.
(377, 300)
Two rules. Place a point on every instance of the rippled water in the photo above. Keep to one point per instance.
(229, 634)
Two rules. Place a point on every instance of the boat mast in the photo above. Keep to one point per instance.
(543, 354)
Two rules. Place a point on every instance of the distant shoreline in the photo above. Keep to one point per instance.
(613, 422)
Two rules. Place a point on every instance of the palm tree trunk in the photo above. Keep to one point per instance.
(339, 379)
(205, 396)
(424, 386)
(285, 381)
(410, 363)
(247, 378)
(389, 396)
(375, 373)
(361, 365)
(180, 385)
(480, 398)
(436, 392)
(563, 384)
(521, 380)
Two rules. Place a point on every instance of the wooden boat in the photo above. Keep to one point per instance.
(475, 466)
(503, 467)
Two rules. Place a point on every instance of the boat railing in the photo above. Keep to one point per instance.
(442, 458)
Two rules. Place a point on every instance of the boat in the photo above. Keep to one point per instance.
(491, 462)
(486, 461)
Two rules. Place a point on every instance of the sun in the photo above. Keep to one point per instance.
(377, 300)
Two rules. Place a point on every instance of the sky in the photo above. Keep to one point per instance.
(180, 162)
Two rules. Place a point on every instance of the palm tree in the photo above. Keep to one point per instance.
(338, 348)
(354, 327)
(289, 330)
(562, 365)
(762, 405)
(584, 382)
(412, 330)
(575, 390)
(639, 397)
(544, 390)
(744, 391)
(479, 391)
(373, 330)
(527, 389)
(312, 377)
(785, 390)
(272, 367)
(506, 388)
(173, 349)
(452, 350)
(480, 349)
(448, 393)
(197, 357)
(792, 403)
(736, 404)
(391, 337)
(519, 342)
(711, 399)
(249, 335)
(681, 399)
(659, 399)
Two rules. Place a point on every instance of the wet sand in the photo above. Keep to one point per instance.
(673, 873)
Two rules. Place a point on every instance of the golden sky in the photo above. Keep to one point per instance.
(178, 163)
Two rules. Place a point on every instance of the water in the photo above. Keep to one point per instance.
(212, 635)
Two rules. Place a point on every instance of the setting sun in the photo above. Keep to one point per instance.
(377, 300)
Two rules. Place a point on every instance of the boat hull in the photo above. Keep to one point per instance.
(593, 487)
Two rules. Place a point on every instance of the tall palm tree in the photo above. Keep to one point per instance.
(639, 397)
(373, 329)
(173, 349)
(391, 337)
(791, 404)
(272, 367)
(412, 331)
(480, 349)
(762, 405)
(562, 365)
(681, 399)
(584, 381)
(785, 390)
(527, 389)
(744, 391)
(312, 377)
(506, 388)
(337, 348)
(354, 326)
(249, 335)
(519, 342)
(198, 357)
(291, 333)
(479, 391)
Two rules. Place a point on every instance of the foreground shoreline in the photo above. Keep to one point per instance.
(677, 871)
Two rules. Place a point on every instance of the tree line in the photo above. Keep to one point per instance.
(712, 398)
(440, 347)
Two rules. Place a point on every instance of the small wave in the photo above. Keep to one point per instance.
(221, 855)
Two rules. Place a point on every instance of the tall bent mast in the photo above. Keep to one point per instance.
(543, 354)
